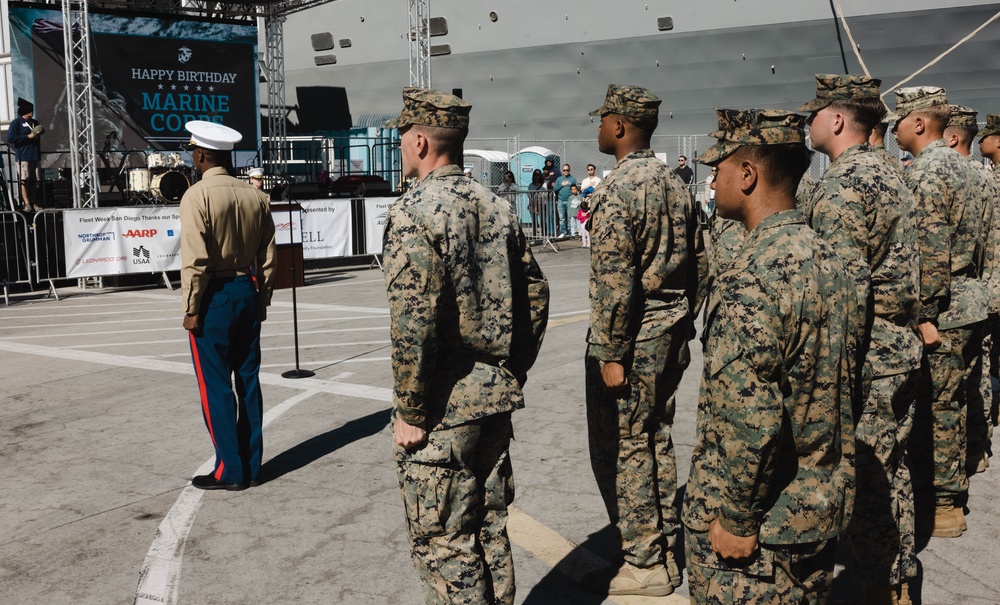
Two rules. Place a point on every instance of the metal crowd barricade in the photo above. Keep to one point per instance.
(16, 264)
(49, 248)
(537, 213)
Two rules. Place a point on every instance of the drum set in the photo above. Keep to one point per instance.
(163, 181)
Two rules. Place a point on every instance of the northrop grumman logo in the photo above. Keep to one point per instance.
(184, 54)
(140, 256)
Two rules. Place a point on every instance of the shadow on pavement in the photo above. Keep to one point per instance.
(316, 447)
(558, 587)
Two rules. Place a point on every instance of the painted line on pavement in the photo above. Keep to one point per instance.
(567, 558)
(158, 365)
(161, 569)
(159, 577)
(183, 337)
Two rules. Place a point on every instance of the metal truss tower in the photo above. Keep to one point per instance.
(420, 43)
(80, 101)
(274, 60)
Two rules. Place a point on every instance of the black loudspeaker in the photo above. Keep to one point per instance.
(373, 189)
(457, 92)
(322, 108)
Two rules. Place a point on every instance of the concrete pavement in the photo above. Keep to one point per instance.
(100, 433)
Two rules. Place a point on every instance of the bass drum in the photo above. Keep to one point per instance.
(138, 179)
(170, 186)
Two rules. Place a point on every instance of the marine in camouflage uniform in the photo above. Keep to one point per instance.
(772, 467)
(989, 146)
(959, 135)
(953, 305)
(864, 210)
(468, 306)
(877, 139)
(643, 279)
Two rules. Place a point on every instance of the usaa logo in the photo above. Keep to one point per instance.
(140, 256)
(139, 233)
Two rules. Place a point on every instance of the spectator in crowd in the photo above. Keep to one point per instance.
(550, 178)
(684, 171)
(563, 191)
(591, 181)
(536, 201)
(574, 205)
(582, 216)
(24, 135)
(508, 190)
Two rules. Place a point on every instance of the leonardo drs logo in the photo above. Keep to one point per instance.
(140, 256)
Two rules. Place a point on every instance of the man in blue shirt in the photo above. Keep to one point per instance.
(24, 136)
(561, 187)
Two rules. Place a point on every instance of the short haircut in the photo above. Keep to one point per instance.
(646, 125)
(591, 166)
(966, 134)
(880, 129)
(565, 165)
(938, 115)
(215, 156)
(448, 142)
(864, 113)
(783, 165)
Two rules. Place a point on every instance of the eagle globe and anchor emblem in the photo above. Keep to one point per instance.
(184, 54)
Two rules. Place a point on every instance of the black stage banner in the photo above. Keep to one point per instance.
(151, 75)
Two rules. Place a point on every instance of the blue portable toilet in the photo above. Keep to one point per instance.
(523, 164)
(526, 161)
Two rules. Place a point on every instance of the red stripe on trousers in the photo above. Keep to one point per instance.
(203, 391)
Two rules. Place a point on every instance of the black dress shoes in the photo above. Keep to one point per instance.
(210, 482)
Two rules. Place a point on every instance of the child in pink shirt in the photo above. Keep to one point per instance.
(583, 215)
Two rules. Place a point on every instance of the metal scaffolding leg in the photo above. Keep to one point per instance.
(274, 59)
(79, 89)
(80, 93)
(420, 43)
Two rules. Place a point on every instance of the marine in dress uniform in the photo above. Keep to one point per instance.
(862, 207)
(953, 305)
(772, 481)
(643, 282)
(468, 307)
(227, 275)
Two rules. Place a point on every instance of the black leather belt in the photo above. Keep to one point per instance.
(229, 273)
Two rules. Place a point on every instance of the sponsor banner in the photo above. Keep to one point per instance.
(375, 209)
(326, 228)
(114, 241)
(287, 225)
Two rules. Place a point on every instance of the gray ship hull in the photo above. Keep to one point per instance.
(546, 90)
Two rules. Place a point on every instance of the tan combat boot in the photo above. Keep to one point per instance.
(878, 595)
(675, 573)
(650, 582)
(904, 594)
(948, 522)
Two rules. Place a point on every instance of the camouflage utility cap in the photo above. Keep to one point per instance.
(753, 127)
(431, 108)
(917, 97)
(626, 100)
(835, 87)
(992, 126)
(963, 116)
